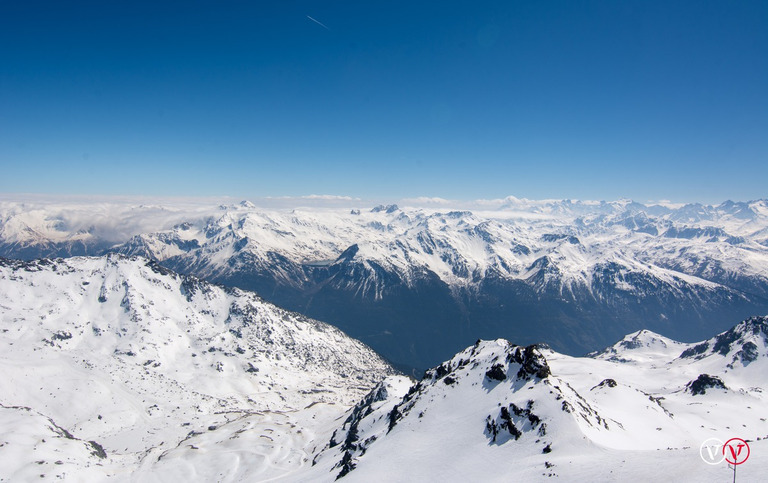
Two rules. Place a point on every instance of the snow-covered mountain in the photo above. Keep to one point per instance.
(42, 227)
(417, 284)
(637, 411)
(29, 234)
(117, 367)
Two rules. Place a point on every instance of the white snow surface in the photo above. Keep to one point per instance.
(114, 369)
(628, 417)
(171, 377)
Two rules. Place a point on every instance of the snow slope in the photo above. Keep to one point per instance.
(117, 367)
(500, 412)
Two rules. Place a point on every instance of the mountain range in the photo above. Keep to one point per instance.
(418, 284)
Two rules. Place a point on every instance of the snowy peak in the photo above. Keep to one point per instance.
(509, 362)
(704, 382)
(495, 393)
(139, 311)
(385, 208)
(744, 210)
(531, 412)
(641, 347)
(366, 420)
(743, 344)
(706, 234)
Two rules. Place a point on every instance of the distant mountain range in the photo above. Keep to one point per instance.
(418, 284)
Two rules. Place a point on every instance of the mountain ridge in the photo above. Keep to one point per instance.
(418, 284)
(583, 419)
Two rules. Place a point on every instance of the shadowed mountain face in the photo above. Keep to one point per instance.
(418, 285)
(415, 322)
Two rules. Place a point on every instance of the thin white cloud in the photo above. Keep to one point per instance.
(318, 23)
(329, 197)
(113, 219)
(422, 200)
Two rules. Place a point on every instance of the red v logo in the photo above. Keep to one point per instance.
(735, 453)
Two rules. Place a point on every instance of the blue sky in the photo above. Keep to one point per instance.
(462, 100)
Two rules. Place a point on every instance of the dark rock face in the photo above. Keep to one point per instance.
(696, 350)
(734, 341)
(513, 420)
(98, 450)
(748, 353)
(352, 443)
(508, 424)
(496, 373)
(61, 335)
(723, 341)
(532, 362)
(605, 383)
(704, 382)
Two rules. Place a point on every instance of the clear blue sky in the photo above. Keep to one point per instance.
(463, 100)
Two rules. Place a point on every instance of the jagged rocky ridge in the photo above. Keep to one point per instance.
(536, 413)
(742, 343)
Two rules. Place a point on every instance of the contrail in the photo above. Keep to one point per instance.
(318, 23)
